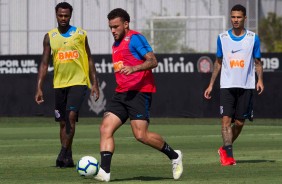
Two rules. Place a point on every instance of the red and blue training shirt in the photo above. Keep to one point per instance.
(130, 52)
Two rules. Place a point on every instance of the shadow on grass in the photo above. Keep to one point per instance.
(142, 178)
(73, 167)
(254, 161)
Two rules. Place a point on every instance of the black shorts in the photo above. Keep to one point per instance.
(132, 104)
(236, 103)
(68, 99)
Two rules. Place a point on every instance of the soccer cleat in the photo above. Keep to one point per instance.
(61, 157)
(103, 176)
(232, 161)
(68, 162)
(59, 163)
(177, 167)
(224, 159)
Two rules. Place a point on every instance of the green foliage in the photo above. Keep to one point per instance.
(270, 32)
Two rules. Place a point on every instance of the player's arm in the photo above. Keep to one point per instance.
(140, 44)
(258, 65)
(149, 63)
(43, 69)
(216, 69)
(259, 71)
(92, 72)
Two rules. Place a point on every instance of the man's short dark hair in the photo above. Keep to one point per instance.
(119, 12)
(239, 7)
(64, 5)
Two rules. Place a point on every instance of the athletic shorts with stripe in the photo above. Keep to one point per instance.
(132, 104)
(68, 99)
(236, 103)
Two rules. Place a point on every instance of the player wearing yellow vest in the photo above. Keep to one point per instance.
(69, 58)
(73, 70)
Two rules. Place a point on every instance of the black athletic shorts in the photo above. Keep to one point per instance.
(236, 103)
(132, 104)
(68, 99)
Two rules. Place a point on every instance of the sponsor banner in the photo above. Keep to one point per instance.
(19, 64)
(181, 80)
(168, 63)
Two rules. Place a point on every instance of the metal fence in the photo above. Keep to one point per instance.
(23, 23)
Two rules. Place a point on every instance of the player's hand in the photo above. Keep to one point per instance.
(207, 93)
(95, 91)
(126, 70)
(260, 87)
(39, 97)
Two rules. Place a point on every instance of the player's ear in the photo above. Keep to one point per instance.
(126, 24)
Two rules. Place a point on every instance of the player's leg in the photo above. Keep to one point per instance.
(60, 106)
(138, 105)
(226, 131)
(114, 117)
(109, 125)
(63, 132)
(244, 110)
(237, 128)
(227, 102)
(63, 140)
(143, 135)
(71, 118)
(75, 98)
(139, 108)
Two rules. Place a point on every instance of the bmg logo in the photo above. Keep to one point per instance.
(67, 55)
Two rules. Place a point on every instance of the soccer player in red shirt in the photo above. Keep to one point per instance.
(133, 61)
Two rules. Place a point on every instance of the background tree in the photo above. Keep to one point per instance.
(270, 33)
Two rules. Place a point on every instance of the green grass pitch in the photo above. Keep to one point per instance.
(29, 147)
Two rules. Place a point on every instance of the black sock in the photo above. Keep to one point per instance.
(169, 152)
(106, 158)
(228, 150)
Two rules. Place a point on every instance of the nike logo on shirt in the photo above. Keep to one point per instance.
(234, 51)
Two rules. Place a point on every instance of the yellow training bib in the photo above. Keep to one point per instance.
(70, 59)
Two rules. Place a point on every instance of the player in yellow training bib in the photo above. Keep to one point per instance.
(73, 70)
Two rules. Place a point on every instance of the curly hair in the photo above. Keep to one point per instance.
(64, 5)
(119, 12)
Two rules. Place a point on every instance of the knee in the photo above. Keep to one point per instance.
(141, 137)
(226, 121)
(72, 115)
(105, 130)
(62, 124)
